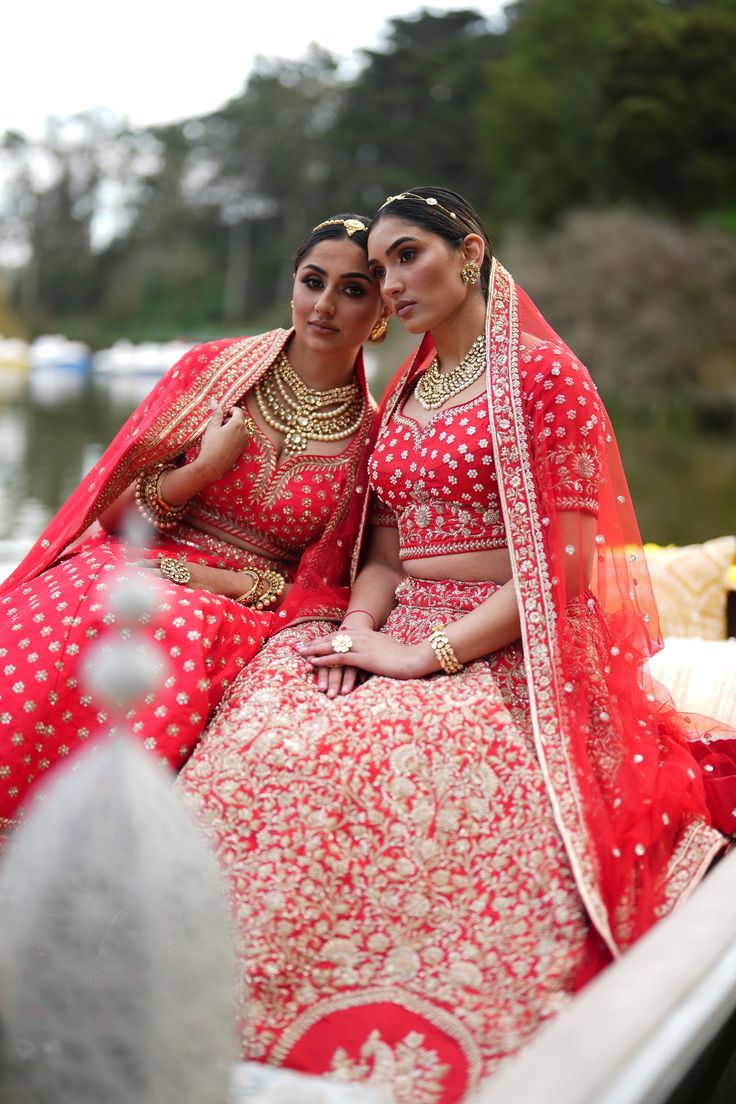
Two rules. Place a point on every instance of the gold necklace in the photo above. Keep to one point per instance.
(302, 413)
(435, 387)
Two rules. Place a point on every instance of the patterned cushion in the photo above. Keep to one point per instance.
(700, 675)
(690, 585)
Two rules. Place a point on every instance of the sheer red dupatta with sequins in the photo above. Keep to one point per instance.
(619, 760)
(164, 426)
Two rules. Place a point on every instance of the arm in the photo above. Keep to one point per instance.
(490, 626)
(222, 443)
(371, 601)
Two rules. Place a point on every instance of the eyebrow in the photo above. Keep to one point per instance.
(393, 246)
(344, 276)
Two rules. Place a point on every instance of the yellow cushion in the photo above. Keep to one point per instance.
(700, 675)
(690, 584)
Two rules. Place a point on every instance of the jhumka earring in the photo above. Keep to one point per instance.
(379, 330)
(470, 272)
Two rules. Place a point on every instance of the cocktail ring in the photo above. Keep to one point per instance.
(174, 570)
(342, 642)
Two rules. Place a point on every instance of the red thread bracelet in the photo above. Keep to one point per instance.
(368, 612)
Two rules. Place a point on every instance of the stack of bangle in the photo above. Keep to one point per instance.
(266, 589)
(444, 650)
(152, 503)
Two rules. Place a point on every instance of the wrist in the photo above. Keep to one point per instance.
(358, 619)
(421, 660)
(242, 583)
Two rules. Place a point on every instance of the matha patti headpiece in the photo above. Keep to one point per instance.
(352, 226)
(429, 200)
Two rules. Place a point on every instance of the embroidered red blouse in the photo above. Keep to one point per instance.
(438, 482)
(279, 508)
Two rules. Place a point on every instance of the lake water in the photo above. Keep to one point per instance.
(53, 426)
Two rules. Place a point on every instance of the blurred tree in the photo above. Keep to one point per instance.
(264, 167)
(408, 117)
(671, 113)
(165, 268)
(542, 102)
(646, 302)
(599, 100)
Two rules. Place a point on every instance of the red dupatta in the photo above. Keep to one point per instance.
(627, 794)
(626, 791)
(171, 418)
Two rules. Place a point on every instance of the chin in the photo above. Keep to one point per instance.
(412, 325)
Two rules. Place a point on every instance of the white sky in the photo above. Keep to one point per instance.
(154, 61)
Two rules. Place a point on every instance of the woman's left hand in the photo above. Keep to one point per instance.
(216, 580)
(371, 651)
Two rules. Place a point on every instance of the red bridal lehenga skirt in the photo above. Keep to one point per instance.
(48, 628)
(406, 910)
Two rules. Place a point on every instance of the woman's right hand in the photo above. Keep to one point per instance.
(223, 441)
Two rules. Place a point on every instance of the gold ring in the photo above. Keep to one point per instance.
(342, 642)
(174, 570)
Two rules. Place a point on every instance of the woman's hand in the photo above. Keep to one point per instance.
(374, 652)
(215, 580)
(223, 441)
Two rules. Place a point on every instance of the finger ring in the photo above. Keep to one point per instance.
(342, 642)
(174, 570)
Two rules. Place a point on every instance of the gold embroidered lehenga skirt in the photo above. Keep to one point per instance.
(405, 906)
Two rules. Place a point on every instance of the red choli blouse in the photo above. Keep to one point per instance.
(278, 508)
(438, 482)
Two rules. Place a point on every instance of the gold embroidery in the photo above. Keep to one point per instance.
(411, 1072)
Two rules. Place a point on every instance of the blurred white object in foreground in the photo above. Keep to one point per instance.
(115, 960)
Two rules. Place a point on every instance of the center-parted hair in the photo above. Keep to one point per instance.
(345, 226)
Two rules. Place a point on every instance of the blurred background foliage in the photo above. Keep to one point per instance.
(594, 136)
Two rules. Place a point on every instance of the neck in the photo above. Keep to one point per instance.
(321, 371)
(455, 335)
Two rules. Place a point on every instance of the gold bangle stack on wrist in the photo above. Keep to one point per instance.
(152, 503)
(444, 650)
(266, 589)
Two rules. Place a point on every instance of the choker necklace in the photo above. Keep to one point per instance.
(435, 387)
(302, 413)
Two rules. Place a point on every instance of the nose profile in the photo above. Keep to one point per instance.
(391, 285)
(325, 305)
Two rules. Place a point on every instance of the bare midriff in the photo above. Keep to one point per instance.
(469, 567)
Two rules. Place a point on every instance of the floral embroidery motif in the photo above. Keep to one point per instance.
(438, 483)
(392, 864)
(409, 1073)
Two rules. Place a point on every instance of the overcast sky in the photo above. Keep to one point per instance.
(154, 61)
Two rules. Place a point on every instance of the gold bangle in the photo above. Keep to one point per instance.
(444, 650)
(161, 503)
(273, 587)
(152, 505)
(257, 578)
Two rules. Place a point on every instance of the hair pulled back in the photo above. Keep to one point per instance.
(340, 227)
(442, 212)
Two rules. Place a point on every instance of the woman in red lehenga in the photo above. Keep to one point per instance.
(251, 516)
(427, 863)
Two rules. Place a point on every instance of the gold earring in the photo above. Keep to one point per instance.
(379, 330)
(470, 272)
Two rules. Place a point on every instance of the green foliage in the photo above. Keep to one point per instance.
(671, 119)
(409, 115)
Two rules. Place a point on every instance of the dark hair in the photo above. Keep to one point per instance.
(442, 212)
(334, 228)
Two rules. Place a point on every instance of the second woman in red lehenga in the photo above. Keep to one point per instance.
(252, 511)
(427, 861)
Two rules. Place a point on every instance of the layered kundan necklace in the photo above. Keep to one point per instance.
(435, 387)
(304, 414)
